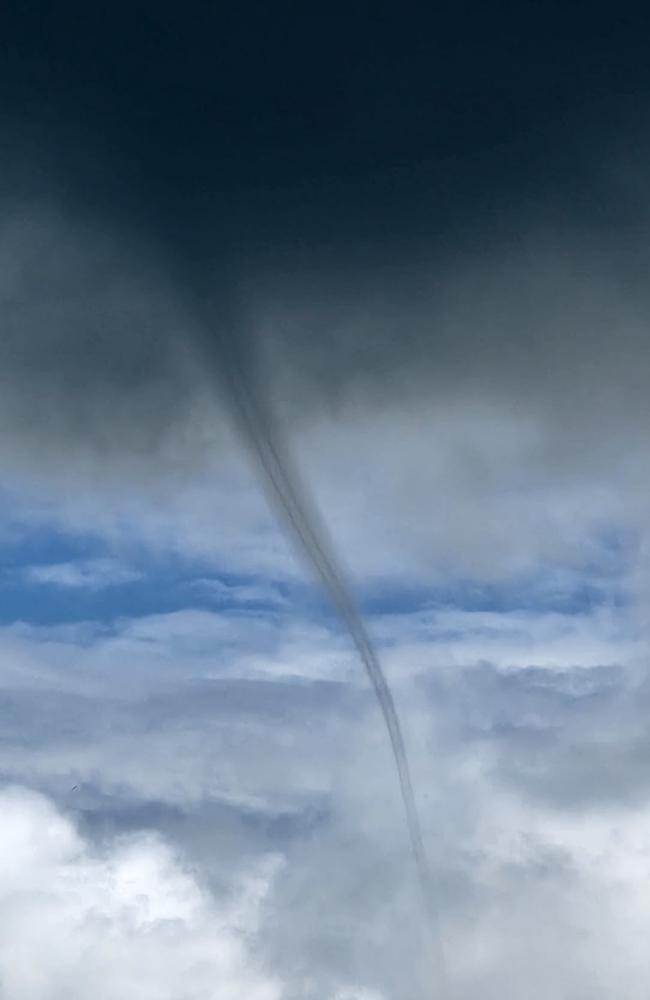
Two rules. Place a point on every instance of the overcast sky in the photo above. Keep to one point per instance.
(419, 237)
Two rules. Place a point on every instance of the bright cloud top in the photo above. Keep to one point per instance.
(130, 920)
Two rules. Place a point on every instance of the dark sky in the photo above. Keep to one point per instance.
(302, 121)
(345, 161)
(337, 157)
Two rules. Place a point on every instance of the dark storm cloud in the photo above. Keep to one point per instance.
(237, 132)
(206, 99)
(365, 183)
(202, 99)
(87, 345)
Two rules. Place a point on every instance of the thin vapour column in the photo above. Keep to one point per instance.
(289, 497)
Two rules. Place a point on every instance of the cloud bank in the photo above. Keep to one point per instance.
(131, 920)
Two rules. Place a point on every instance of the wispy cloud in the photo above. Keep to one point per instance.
(91, 574)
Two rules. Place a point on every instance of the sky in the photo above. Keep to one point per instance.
(412, 242)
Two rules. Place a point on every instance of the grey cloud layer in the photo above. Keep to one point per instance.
(539, 315)
(486, 398)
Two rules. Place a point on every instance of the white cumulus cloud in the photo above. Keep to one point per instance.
(129, 921)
